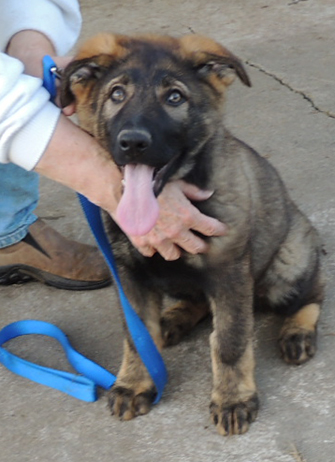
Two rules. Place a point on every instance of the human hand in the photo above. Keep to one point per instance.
(177, 220)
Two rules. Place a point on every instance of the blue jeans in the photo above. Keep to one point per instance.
(19, 195)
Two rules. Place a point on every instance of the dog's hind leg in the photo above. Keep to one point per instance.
(179, 319)
(134, 391)
(234, 402)
(297, 339)
(293, 287)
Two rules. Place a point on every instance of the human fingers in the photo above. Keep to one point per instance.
(145, 249)
(169, 237)
(206, 225)
(194, 193)
(190, 242)
(69, 110)
(176, 198)
(149, 245)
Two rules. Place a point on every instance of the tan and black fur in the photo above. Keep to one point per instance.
(168, 95)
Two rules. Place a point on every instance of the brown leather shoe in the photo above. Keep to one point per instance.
(48, 257)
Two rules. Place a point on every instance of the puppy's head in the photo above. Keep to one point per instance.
(207, 59)
(152, 101)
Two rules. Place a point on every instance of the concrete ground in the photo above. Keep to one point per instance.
(289, 116)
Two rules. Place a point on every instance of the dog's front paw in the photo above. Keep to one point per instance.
(127, 403)
(297, 346)
(234, 419)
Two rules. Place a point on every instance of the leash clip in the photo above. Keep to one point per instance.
(50, 73)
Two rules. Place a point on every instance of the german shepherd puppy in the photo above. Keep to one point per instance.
(156, 104)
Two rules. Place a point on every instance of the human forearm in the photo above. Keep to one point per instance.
(76, 160)
(29, 47)
(72, 157)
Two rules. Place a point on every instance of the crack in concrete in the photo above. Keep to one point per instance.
(294, 90)
(295, 2)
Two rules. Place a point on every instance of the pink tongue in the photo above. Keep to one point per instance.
(138, 209)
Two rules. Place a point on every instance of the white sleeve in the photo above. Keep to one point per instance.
(59, 20)
(27, 117)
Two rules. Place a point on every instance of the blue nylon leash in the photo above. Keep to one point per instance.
(143, 342)
(83, 387)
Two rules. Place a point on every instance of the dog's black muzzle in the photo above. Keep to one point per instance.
(140, 145)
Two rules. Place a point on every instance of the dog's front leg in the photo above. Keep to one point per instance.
(234, 402)
(134, 391)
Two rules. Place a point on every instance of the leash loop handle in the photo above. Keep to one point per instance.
(81, 387)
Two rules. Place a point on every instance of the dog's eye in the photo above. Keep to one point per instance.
(118, 95)
(175, 97)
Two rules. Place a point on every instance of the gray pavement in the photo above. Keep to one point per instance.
(289, 116)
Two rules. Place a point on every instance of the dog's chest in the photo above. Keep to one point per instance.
(185, 276)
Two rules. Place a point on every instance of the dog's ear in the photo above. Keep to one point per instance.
(76, 77)
(209, 58)
(91, 61)
(225, 67)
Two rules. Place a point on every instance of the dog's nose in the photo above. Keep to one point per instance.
(134, 141)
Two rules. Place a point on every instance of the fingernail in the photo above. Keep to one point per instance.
(206, 194)
(224, 228)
